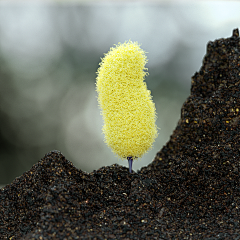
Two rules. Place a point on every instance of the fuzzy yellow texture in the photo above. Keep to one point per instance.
(127, 108)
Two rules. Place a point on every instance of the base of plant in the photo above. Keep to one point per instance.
(130, 161)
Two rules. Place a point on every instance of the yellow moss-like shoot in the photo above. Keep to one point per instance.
(127, 107)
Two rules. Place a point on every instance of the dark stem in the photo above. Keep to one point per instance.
(130, 161)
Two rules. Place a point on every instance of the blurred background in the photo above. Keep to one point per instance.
(49, 55)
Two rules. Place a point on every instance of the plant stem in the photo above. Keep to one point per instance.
(130, 161)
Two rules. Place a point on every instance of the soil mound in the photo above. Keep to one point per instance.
(190, 191)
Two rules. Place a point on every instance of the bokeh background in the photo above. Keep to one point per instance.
(49, 55)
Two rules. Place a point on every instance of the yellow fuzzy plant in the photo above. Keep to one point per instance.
(127, 108)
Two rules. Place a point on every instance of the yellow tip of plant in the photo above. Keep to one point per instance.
(127, 108)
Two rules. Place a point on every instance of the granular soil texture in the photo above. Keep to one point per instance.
(190, 191)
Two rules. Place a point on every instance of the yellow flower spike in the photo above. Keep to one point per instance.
(128, 111)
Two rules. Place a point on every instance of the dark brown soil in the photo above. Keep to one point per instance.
(190, 191)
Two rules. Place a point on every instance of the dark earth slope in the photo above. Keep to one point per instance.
(190, 191)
